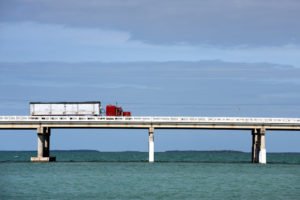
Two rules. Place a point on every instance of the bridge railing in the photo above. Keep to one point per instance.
(149, 119)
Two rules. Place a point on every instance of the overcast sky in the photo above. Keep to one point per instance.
(150, 30)
(155, 57)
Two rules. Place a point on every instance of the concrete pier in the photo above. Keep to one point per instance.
(254, 146)
(47, 145)
(262, 157)
(259, 153)
(43, 151)
(151, 144)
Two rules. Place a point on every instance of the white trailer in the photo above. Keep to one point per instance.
(89, 108)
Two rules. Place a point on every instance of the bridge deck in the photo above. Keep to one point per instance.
(11, 122)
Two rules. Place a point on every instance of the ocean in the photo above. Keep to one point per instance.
(128, 175)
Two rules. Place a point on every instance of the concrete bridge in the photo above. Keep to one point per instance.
(44, 124)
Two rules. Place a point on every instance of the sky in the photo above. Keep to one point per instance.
(153, 57)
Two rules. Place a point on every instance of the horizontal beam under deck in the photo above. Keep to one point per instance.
(143, 125)
(19, 126)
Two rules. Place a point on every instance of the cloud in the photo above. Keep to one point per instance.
(38, 34)
(193, 22)
(29, 42)
(72, 84)
(189, 83)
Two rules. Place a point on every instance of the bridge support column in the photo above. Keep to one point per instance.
(46, 145)
(255, 146)
(262, 157)
(259, 153)
(151, 144)
(43, 151)
(41, 142)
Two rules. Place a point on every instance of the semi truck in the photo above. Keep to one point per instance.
(87, 108)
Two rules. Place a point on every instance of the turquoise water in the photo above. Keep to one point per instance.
(127, 175)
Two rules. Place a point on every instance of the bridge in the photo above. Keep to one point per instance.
(43, 125)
